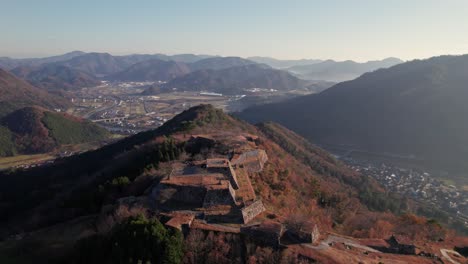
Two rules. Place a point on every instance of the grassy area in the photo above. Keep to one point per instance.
(7, 147)
(7, 162)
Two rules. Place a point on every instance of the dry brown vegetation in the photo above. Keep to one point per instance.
(300, 184)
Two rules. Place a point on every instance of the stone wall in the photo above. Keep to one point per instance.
(315, 234)
(253, 160)
(227, 171)
(265, 234)
(233, 177)
(219, 197)
(303, 236)
(179, 197)
(251, 211)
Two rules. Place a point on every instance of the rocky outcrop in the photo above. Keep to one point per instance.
(253, 210)
(266, 233)
(302, 235)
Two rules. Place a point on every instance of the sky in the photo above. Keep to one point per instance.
(358, 30)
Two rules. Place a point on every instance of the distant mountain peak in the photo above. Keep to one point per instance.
(392, 59)
(412, 108)
(75, 52)
(338, 71)
(218, 63)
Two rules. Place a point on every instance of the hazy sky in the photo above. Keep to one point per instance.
(347, 29)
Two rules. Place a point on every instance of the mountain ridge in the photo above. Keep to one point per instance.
(219, 63)
(10, 63)
(407, 109)
(338, 71)
(152, 70)
(297, 184)
(16, 93)
(283, 64)
(235, 80)
(55, 77)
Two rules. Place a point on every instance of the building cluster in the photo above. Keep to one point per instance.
(123, 108)
(419, 185)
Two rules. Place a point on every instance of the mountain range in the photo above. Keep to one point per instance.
(235, 80)
(99, 64)
(152, 70)
(336, 71)
(229, 75)
(283, 64)
(149, 67)
(415, 109)
(9, 63)
(101, 205)
(55, 77)
(219, 63)
(185, 58)
(77, 69)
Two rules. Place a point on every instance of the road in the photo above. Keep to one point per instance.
(100, 109)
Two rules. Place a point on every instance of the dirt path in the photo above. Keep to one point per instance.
(447, 256)
(336, 239)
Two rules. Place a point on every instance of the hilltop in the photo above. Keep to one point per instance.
(137, 184)
(235, 80)
(96, 63)
(411, 109)
(152, 70)
(36, 130)
(16, 93)
(219, 63)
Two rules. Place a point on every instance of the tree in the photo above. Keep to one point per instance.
(173, 252)
(120, 181)
(136, 240)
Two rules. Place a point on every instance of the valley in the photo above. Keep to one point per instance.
(234, 132)
(215, 181)
(124, 108)
(164, 152)
(439, 200)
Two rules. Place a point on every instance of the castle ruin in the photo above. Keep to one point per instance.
(215, 189)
